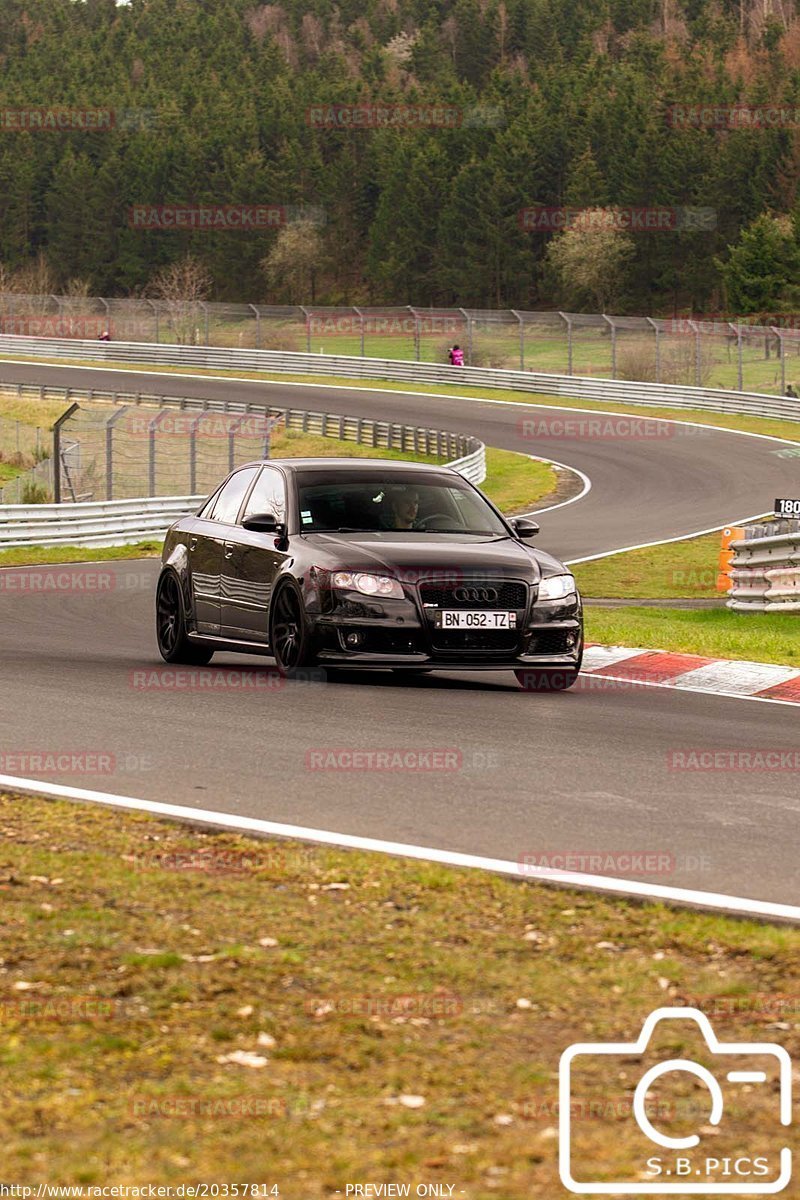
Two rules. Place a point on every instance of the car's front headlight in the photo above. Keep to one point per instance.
(368, 585)
(556, 587)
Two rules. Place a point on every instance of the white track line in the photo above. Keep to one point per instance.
(681, 537)
(603, 883)
(587, 485)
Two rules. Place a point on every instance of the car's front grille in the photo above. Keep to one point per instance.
(500, 595)
(479, 593)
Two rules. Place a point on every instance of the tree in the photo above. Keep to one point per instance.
(591, 259)
(762, 266)
(585, 183)
(182, 287)
(292, 264)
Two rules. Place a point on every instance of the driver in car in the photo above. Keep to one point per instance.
(402, 508)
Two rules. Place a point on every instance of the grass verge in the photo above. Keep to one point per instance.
(685, 570)
(150, 971)
(716, 632)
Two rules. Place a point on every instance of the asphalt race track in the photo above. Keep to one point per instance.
(576, 773)
(678, 481)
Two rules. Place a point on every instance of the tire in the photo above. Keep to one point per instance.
(289, 636)
(531, 680)
(173, 644)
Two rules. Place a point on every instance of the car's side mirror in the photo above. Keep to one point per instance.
(524, 528)
(264, 523)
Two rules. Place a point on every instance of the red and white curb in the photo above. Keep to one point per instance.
(690, 672)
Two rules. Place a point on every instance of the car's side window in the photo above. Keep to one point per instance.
(231, 496)
(207, 509)
(268, 495)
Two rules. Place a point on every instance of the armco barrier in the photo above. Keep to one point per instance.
(123, 522)
(114, 523)
(766, 571)
(582, 387)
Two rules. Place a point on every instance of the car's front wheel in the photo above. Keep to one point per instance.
(173, 643)
(531, 680)
(289, 635)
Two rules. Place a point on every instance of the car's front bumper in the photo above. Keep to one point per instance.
(361, 632)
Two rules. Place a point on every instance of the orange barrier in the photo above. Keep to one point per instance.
(730, 534)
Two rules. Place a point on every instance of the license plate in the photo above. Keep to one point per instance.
(450, 618)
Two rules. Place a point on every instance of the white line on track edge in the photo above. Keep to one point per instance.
(602, 883)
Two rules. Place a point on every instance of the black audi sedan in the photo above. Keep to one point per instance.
(366, 563)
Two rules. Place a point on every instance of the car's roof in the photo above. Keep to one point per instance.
(345, 465)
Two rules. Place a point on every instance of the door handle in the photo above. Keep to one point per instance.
(192, 543)
(229, 550)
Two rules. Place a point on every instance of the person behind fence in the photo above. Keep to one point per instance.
(105, 336)
(455, 356)
(791, 392)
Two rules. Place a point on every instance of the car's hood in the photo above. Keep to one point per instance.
(417, 552)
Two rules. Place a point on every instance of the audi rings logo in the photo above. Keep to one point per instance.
(478, 595)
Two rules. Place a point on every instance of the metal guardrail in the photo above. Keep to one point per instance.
(572, 386)
(114, 523)
(766, 570)
(122, 522)
(665, 349)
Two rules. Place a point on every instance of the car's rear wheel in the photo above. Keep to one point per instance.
(289, 635)
(532, 680)
(173, 643)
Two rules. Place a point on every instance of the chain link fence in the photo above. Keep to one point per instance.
(25, 476)
(131, 452)
(698, 351)
(117, 446)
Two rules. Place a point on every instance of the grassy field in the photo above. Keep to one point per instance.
(674, 570)
(545, 349)
(19, 439)
(718, 633)
(177, 1007)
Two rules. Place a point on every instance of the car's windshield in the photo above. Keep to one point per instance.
(376, 501)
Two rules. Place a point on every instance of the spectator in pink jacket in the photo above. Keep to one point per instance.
(456, 356)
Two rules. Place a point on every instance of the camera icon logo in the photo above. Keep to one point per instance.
(676, 1163)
